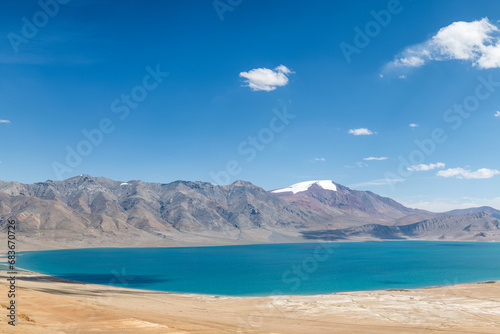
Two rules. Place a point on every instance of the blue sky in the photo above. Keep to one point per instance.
(270, 92)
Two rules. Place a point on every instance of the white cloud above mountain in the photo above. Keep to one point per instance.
(426, 167)
(477, 42)
(378, 182)
(361, 132)
(461, 173)
(266, 79)
(375, 158)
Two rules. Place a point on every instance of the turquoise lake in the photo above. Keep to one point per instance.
(275, 269)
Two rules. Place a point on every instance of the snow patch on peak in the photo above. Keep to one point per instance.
(303, 186)
(327, 184)
(124, 184)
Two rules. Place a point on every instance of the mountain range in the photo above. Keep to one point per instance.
(86, 211)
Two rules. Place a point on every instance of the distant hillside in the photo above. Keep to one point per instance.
(475, 226)
(85, 211)
(486, 209)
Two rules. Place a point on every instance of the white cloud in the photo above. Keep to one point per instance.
(4, 121)
(413, 125)
(266, 79)
(497, 114)
(361, 132)
(359, 164)
(319, 159)
(375, 158)
(410, 62)
(461, 173)
(477, 42)
(424, 167)
(402, 76)
(379, 182)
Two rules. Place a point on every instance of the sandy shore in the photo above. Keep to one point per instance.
(51, 305)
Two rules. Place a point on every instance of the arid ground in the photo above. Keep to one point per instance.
(50, 305)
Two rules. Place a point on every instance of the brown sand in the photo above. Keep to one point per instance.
(51, 305)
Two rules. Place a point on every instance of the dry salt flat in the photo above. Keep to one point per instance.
(51, 305)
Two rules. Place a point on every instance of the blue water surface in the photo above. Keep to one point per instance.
(275, 269)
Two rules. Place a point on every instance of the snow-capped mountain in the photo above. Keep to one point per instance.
(304, 186)
(348, 207)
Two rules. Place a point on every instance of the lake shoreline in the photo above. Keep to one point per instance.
(52, 278)
(34, 247)
(275, 269)
(447, 309)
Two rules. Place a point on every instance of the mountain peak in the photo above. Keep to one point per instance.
(303, 186)
(241, 183)
(82, 177)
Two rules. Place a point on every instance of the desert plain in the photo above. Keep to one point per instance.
(47, 304)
